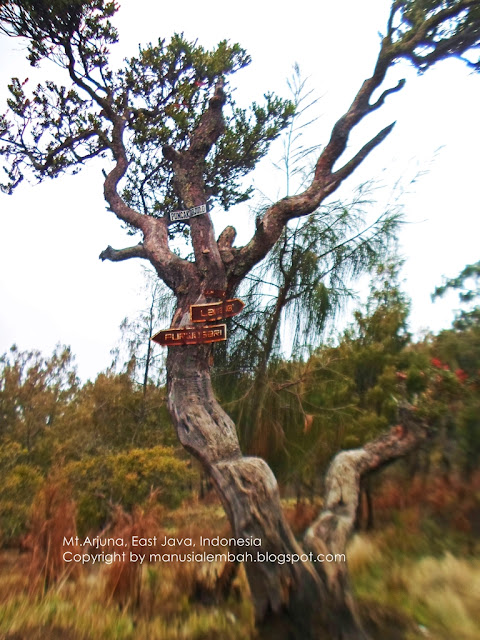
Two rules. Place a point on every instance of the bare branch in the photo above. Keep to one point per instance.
(189, 185)
(117, 204)
(427, 31)
(117, 255)
(387, 92)
(325, 181)
(335, 523)
(211, 125)
(357, 159)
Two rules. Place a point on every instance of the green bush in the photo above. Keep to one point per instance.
(100, 482)
(19, 486)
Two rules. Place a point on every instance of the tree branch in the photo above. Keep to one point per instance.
(189, 185)
(335, 523)
(358, 158)
(117, 255)
(117, 204)
(387, 92)
(211, 125)
(424, 29)
(330, 532)
(325, 181)
(449, 45)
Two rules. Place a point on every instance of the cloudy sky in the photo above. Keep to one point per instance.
(54, 289)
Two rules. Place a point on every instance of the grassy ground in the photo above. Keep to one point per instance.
(156, 603)
(422, 596)
(414, 577)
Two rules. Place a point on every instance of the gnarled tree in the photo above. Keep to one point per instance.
(168, 125)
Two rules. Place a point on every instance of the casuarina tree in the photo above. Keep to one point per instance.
(173, 138)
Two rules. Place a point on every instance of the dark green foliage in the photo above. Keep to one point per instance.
(457, 361)
(19, 487)
(20, 482)
(466, 294)
(340, 397)
(49, 422)
(298, 290)
(34, 394)
(51, 25)
(170, 86)
(467, 283)
(113, 413)
(158, 97)
(51, 417)
(425, 31)
(101, 482)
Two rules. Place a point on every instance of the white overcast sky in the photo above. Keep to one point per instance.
(53, 288)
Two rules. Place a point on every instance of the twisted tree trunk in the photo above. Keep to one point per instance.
(300, 600)
(287, 597)
(304, 599)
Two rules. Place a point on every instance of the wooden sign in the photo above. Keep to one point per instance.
(214, 293)
(202, 335)
(186, 214)
(215, 310)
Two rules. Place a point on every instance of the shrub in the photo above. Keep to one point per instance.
(127, 479)
(19, 486)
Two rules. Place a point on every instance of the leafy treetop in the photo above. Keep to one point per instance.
(154, 102)
(168, 121)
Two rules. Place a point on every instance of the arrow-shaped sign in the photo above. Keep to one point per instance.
(215, 310)
(202, 335)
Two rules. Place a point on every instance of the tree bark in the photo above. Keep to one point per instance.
(332, 529)
(305, 600)
(287, 597)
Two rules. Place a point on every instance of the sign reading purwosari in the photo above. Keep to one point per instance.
(202, 335)
(186, 214)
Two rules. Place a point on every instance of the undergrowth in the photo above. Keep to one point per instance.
(416, 576)
(432, 595)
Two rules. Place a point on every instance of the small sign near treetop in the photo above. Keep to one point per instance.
(215, 310)
(186, 214)
(202, 335)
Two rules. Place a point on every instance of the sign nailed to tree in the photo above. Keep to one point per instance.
(215, 310)
(186, 214)
(203, 335)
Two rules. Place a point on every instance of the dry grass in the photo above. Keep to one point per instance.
(405, 591)
(53, 518)
(447, 591)
(440, 595)
(362, 553)
(128, 601)
(78, 610)
(123, 579)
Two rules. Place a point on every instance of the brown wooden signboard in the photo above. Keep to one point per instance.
(200, 335)
(215, 310)
(215, 293)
